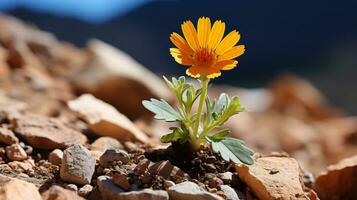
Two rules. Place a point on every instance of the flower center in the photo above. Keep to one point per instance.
(204, 57)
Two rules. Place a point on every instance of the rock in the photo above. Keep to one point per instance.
(47, 133)
(116, 78)
(273, 178)
(55, 157)
(77, 165)
(168, 184)
(110, 191)
(7, 136)
(71, 187)
(58, 193)
(215, 182)
(15, 152)
(229, 192)
(226, 177)
(21, 166)
(339, 181)
(105, 120)
(112, 155)
(188, 191)
(85, 190)
(121, 181)
(14, 189)
(104, 143)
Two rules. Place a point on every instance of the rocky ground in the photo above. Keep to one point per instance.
(72, 127)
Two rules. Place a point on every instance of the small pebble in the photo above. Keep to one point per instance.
(85, 190)
(15, 152)
(72, 187)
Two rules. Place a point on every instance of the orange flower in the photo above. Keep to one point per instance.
(204, 50)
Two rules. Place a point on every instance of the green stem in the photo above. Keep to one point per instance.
(204, 82)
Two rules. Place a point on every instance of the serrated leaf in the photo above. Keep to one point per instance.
(234, 150)
(222, 102)
(172, 137)
(162, 110)
(219, 135)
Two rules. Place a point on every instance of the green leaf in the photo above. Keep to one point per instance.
(177, 134)
(172, 137)
(234, 150)
(219, 135)
(162, 110)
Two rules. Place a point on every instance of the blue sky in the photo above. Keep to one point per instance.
(93, 11)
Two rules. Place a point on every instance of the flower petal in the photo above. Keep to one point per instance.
(216, 34)
(230, 66)
(190, 34)
(232, 53)
(180, 43)
(228, 42)
(203, 30)
(181, 57)
(212, 72)
(194, 71)
(221, 64)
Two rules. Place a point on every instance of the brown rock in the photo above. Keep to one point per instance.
(15, 152)
(105, 120)
(55, 157)
(47, 133)
(121, 181)
(59, 193)
(7, 136)
(339, 181)
(272, 178)
(14, 189)
(103, 143)
(118, 79)
(112, 155)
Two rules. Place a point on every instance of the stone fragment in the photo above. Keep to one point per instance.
(188, 190)
(85, 190)
(55, 157)
(14, 189)
(229, 192)
(112, 155)
(110, 191)
(105, 120)
(7, 136)
(339, 181)
(58, 193)
(71, 187)
(15, 152)
(78, 165)
(121, 181)
(104, 143)
(47, 133)
(273, 178)
(116, 78)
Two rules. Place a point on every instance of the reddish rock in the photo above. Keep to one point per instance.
(121, 181)
(55, 157)
(273, 178)
(14, 189)
(118, 79)
(104, 143)
(59, 193)
(15, 152)
(339, 181)
(47, 133)
(105, 120)
(7, 136)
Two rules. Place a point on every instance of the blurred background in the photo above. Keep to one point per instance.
(314, 39)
